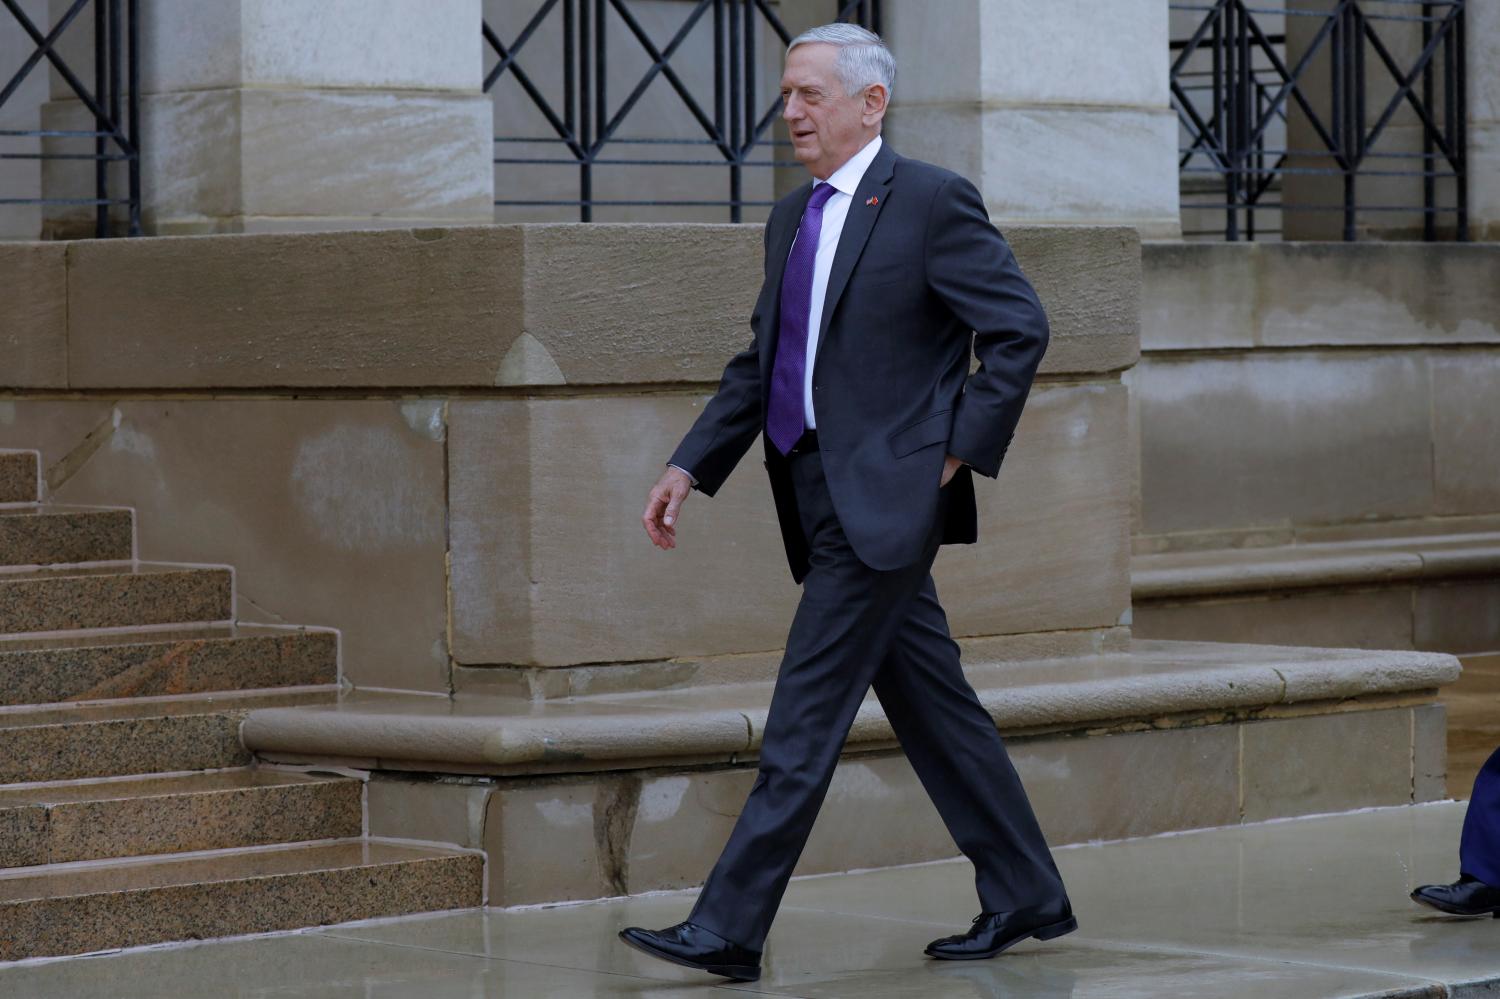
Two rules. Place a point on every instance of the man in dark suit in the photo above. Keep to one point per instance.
(880, 274)
(1477, 890)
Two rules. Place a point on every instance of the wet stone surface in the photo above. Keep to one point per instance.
(1307, 907)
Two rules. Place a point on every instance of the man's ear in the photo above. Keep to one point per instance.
(876, 97)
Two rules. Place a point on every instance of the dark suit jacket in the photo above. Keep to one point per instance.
(918, 277)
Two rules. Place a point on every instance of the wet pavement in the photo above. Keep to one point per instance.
(1311, 907)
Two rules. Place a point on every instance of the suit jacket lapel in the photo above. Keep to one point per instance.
(876, 183)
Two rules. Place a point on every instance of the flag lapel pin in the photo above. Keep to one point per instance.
(872, 201)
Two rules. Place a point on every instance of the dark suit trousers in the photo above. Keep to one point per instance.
(1479, 852)
(854, 627)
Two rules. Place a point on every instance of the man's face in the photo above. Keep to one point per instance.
(828, 126)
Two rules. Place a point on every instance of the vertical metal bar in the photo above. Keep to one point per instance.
(1459, 134)
(1429, 165)
(585, 119)
(734, 73)
(719, 70)
(101, 83)
(1245, 87)
(1354, 93)
(735, 137)
(570, 70)
(601, 92)
(741, 152)
(1262, 102)
(133, 74)
(750, 94)
(1216, 122)
(1335, 77)
(115, 40)
(115, 122)
(1360, 81)
(1228, 122)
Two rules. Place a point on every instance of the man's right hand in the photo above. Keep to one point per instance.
(662, 506)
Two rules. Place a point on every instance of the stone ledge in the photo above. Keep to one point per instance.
(465, 306)
(1195, 574)
(724, 723)
(1207, 296)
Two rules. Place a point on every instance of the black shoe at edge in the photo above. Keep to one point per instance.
(1468, 896)
(694, 946)
(994, 932)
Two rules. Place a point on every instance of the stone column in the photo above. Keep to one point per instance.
(274, 115)
(1057, 109)
(1483, 69)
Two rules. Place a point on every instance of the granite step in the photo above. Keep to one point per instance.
(53, 534)
(113, 596)
(102, 906)
(20, 480)
(165, 735)
(100, 819)
(96, 666)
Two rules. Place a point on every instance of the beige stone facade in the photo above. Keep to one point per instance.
(1317, 445)
(403, 401)
(435, 442)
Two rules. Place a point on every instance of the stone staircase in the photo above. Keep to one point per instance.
(130, 811)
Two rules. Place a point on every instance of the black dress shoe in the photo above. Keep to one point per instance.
(1468, 896)
(693, 946)
(994, 932)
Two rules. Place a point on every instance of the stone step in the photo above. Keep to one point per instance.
(133, 737)
(95, 666)
(1362, 562)
(92, 820)
(101, 906)
(20, 480)
(113, 596)
(589, 796)
(722, 722)
(51, 534)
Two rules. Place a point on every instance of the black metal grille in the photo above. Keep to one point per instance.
(112, 102)
(734, 112)
(1234, 109)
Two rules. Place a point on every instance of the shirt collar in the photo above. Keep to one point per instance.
(847, 177)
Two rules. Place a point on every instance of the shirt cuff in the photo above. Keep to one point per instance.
(684, 472)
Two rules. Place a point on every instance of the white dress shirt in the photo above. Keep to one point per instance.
(846, 180)
(835, 210)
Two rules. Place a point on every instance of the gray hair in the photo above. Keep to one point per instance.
(863, 58)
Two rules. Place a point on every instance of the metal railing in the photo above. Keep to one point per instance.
(734, 113)
(111, 101)
(1251, 92)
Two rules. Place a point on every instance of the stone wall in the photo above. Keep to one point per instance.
(1296, 398)
(439, 440)
(1297, 386)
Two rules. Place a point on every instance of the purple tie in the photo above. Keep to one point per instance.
(784, 422)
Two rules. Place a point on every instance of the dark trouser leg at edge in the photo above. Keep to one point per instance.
(960, 758)
(1479, 850)
(852, 626)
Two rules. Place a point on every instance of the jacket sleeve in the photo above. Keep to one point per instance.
(730, 420)
(971, 268)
